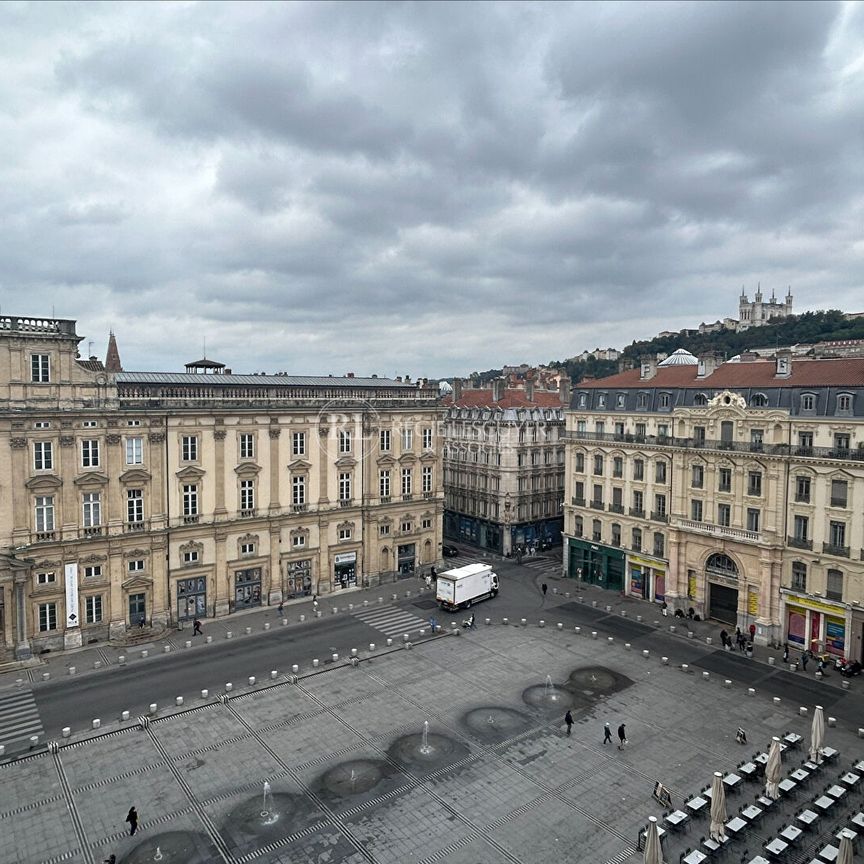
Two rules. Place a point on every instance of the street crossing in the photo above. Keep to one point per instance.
(19, 717)
(547, 566)
(391, 620)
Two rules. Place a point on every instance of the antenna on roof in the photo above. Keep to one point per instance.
(204, 346)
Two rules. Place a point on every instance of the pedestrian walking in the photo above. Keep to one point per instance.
(568, 719)
(132, 819)
(622, 737)
(607, 734)
(544, 588)
(723, 637)
(111, 859)
(196, 627)
(805, 657)
(752, 632)
(785, 652)
(281, 607)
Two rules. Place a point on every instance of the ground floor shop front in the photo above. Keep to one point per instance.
(823, 627)
(502, 538)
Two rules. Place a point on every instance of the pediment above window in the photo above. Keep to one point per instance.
(299, 465)
(135, 475)
(247, 469)
(346, 462)
(92, 478)
(406, 458)
(428, 456)
(44, 481)
(190, 472)
(386, 461)
(138, 583)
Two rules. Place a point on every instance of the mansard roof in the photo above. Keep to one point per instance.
(835, 372)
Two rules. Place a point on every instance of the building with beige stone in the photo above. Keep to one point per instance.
(147, 498)
(733, 489)
(504, 466)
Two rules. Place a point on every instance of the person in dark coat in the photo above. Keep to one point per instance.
(622, 737)
(544, 588)
(132, 819)
(568, 719)
(196, 627)
(607, 734)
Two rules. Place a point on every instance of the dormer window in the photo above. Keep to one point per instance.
(758, 400)
(664, 400)
(700, 399)
(844, 403)
(620, 400)
(808, 402)
(641, 400)
(601, 400)
(582, 400)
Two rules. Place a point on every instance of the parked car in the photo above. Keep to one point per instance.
(449, 551)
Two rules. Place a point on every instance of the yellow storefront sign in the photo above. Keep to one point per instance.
(752, 602)
(644, 562)
(805, 603)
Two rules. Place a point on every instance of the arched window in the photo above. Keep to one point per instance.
(758, 400)
(700, 399)
(722, 564)
(808, 401)
(577, 526)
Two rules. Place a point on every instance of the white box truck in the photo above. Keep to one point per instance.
(465, 585)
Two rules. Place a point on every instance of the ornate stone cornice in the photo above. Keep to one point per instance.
(17, 443)
(156, 437)
(274, 433)
(219, 434)
(113, 440)
(67, 441)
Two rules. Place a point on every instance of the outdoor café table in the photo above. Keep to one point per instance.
(748, 770)
(850, 779)
(847, 832)
(694, 805)
(811, 766)
(695, 857)
(759, 859)
(858, 766)
(807, 818)
(732, 781)
(836, 791)
(793, 739)
(800, 775)
(829, 854)
(676, 819)
(787, 785)
(661, 832)
(735, 825)
(765, 801)
(791, 833)
(761, 758)
(751, 812)
(858, 819)
(823, 802)
(829, 752)
(777, 846)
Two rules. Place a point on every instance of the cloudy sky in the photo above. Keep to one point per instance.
(423, 188)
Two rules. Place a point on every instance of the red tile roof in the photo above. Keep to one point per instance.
(510, 399)
(840, 372)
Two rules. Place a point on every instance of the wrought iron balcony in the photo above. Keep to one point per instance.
(635, 511)
(576, 501)
(831, 549)
(616, 508)
(799, 542)
(659, 517)
(597, 505)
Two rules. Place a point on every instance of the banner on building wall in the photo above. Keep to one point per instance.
(636, 582)
(691, 585)
(835, 635)
(71, 575)
(752, 602)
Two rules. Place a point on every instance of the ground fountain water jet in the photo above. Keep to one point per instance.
(425, 748)
(265, 810)
(549, 693)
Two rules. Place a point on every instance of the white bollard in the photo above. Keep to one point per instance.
(229, 635)
(124, 716)
(671, 628)
(560, 626)
(389, 642)
(266, 625)
(335, 658)
(315, 663)
(646, 653)
(608, 608)
(295, 668)
(776, 700)
(205, 694)
(274, 674)
(639, 618)
(610, 639)
(706, 676)
(166, 649)
(334, 610)
(380, 599)
(832, 721)
(353, 652)
(208, 639)
(96, 723)
(350, 607)
(247, 630)
(771, 661)
(751, 691)
(802, 711)
(97, 664)
(285, 621)
(709, 640)
(2, 750)
(178, 701)
(623, 613)
(251, 680)
(122, 659)
(593, 634)
(505, 620)
(685, 667)
(690, 634)
(845, 685)
(371, 646)
(860, 732)
(188, 643)
(229, 687)
(317, 613)
(153, 707)
(405, 637)
(627, 646)
(524, 622)
(34, 740)
(577, 630)
(365, 603)
(66, 731)
(542, 623)
(594, 603)
(72, 670)
(488, 621)
(422, 631)
(727, 683)
(664, 661)
(145, 654)
(303, 618)
(394, 596)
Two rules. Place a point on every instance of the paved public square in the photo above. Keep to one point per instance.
(352, 778)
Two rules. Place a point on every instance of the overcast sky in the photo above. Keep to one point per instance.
(423, 188)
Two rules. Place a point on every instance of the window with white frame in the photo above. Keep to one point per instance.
(808, 402)
(384, 483)
(247, 495)
(133, 422)
(42, 424)
(40, 368)
(298, 489)
(298, 443)
(427, 479)
(406, 526)
(754, 518)
(384, 440)
(345, 533)
(135, 566)
(43, 456)
(247, 549)
(134, 450)
(384, 530)
(92, 509)
(134, 506)
(89, 424)
(344, 440)
(344, 486)
(190, 556)
(427, 439)
(47, 617)
(190, 499)
(189, 449)
(49, 578)
(93, 609)
(407, 438)
(426, 522)
(44, 512)
(90, 453)
(298, 541)
(406, 481)
(844, 403)
(93, 571)
(247, 445)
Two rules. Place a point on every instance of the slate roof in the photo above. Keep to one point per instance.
(511, 398)
(192, 378)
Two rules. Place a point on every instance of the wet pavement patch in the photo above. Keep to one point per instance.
(254, 822)
(624, 628)
(492, 724)
(425, 604)
(173, 847)
(421, 755)
(731, 665)
(353, 783)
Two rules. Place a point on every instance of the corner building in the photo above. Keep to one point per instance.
(733, 488)
(141, 499)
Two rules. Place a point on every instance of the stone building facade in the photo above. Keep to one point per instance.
(146, 497)
(504, 466)
(734, 489)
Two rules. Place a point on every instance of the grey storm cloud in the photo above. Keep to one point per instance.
(423, 187)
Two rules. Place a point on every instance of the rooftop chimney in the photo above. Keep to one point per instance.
(783, 359)
(647, 368)
(564, 390)
(457, 389)
(498, 388)
(529, 389)
(708, 362)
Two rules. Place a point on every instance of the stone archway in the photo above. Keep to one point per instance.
(721, 578)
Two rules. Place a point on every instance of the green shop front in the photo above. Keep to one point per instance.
(596, 564)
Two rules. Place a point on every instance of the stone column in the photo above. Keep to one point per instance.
(117, 596)
(274, 432)
(223, 593)
(22, 639)
(673, 587)
(20, 515)
(71, 515)
(768, 619)
(276, 594)
(158, 472)
(115, 513)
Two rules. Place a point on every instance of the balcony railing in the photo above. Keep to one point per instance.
(596, 537)
(576, 501)
(345, 503)
(192, 520)
(846, 453)
(597, 505)
(659, 517)
(44, 536)
(92, 531)
(135, 527)
(635, 511)
(616, 508)
(719, 530)
(801, 498)
(838, 502)
(247, 514)
(408, 497)
(299, 508)
(831, 549)
(799, 542)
